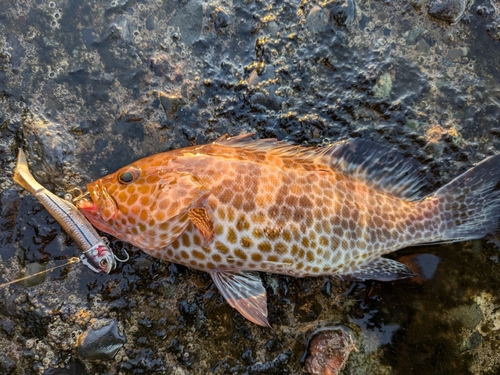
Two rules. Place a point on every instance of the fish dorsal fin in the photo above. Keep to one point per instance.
(380, 167)
(381, 269)
(272, 146)
(244, 292)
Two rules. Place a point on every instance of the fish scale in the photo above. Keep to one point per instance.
(236, 206)
(294, 230)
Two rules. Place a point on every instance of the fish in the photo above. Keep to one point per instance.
(96, 254)
(238, 206)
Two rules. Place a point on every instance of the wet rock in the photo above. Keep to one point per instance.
(34, 274)
(277, 365)
(7, 325)
(418, 4)
(457, 53)
(422, 46)
(171, 104)
(124, 28)
(262, 102)
(325, 93)
(222, 20)
(50, 147)
(9, 205)
(17, 51)
(161, 65)
(473, 341)
(188, 19)
(406, 89)
(413, 35)
(7, 363)
(146, 361)
(450, 11)
(308, 309)
(329, 351)
(100, 343)
(317, 20)
(342, 12)
(493, 30)
(383, 87)
(469, 315)
(89, 36)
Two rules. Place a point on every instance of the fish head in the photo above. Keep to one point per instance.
(144, 203)
(100, 258)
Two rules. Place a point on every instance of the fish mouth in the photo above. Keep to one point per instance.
(100, 209)
(91, 211)
(101, 204)
(85, 204)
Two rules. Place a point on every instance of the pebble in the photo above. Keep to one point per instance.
(450, 11)
(329, 351)
(222, 20)
(102, 343)
(317, 20)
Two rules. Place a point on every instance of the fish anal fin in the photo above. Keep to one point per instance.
(244, 292)
(381, 269)
(202, 221)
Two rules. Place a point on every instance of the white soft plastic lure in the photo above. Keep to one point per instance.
(96, 254)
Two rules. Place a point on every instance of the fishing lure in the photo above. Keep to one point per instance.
(96, 253)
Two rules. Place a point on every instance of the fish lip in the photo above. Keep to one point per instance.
(104, 201)
(87, 205)
(96, 192)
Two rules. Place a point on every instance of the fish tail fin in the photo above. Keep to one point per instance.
(469, 205)
(23, 176)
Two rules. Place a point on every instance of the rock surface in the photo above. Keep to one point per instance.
(87, 87)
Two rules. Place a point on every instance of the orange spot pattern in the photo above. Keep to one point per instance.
(268, 212)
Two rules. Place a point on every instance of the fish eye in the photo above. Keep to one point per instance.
(130, 175)
(103, 263)
(126, 177)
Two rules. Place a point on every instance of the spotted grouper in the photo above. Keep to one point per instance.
(238, 205)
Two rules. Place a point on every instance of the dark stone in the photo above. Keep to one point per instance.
(7, 364)
(7, 325)
(449, 11)
(89, 36)
(102, 343)
(329, 351)
(222, 20)
(171, 104)
(308, 309)
(17, 50)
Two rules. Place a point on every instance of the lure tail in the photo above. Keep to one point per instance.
(23, 176)
(469, 206)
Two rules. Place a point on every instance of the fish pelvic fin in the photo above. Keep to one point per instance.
(244, 292)
(470, 204)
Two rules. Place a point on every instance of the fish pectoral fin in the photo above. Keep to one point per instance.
(202, 221)
(177, 193)
(381, 269)
(244, 292)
